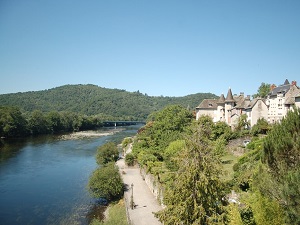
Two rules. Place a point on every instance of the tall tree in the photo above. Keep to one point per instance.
(262, 91)
(196, 194)
(106, 182)
(12, 122)
(282, 155)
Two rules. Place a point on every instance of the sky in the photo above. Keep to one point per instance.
(157, 47)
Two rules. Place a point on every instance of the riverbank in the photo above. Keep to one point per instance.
(145, 202)
(89, 134)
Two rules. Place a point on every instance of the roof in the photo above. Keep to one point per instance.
(229, 97)
(221, 99)
(208, 104)
(291, 94)
(253, 102)
(284, 88)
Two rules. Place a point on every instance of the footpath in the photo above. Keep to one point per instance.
(144, 201)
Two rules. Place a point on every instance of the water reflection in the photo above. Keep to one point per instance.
(43, 180)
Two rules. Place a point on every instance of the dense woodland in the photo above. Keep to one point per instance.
(94, 100)
(190, 161)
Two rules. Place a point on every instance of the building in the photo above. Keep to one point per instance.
(229, 109)
(281, 99)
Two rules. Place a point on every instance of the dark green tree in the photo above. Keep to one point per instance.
(281, 153)
(262, 91)
(106, 182)
(38, 124)
(197, 192)
(55, 123)
(12, 122)
(107, 153)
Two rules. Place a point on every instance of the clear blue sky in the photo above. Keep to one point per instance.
(159, 47)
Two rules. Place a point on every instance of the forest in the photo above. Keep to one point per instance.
(92, 100)
(192, 164)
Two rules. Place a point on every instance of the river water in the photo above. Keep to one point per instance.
(43, 179)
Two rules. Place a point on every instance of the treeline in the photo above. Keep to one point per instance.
(14, 123)
(95, 100)
(185, 157)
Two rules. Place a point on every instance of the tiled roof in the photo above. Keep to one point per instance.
(229, 97)
(208, 104)
(254, 101)
(291, 94)
(284, 88)
(221, 99)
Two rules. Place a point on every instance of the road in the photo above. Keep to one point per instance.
(144, 200)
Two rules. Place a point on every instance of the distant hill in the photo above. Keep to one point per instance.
(93, 100)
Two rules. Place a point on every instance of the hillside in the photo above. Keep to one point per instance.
(92, 100)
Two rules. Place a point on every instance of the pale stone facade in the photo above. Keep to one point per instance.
(229, 109)
(279, 101)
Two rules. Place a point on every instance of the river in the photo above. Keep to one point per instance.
(43, 179)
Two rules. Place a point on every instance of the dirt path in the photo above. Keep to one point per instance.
(144, 200)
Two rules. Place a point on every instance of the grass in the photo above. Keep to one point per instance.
(116, 215)
(228, 161)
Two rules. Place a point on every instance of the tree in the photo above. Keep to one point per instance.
(243, 123)
(38, 124)
(106, 182)
(262, 91)
(197, 192)
(281, 153)
(107, 153)
(261, 127)
(129, 159)
(12, 122)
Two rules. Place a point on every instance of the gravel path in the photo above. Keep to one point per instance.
(144, 200)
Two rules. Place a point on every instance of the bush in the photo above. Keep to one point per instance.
(106, 182)
(107, 153)
(129, 159)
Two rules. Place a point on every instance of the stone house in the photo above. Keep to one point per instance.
(229, 109)
(281, 99)
(256, 109)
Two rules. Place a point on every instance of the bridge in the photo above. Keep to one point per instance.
(121, 123)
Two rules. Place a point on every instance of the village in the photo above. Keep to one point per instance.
(273, 108)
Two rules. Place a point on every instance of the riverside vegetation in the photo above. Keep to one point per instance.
(188, 159)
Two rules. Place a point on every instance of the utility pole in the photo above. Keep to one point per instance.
(131, 200)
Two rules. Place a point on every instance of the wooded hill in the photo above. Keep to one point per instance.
(94, 100)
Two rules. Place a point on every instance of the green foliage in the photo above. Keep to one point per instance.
(116, 215)
(107, 153)
(233, 215)
(243, 123)
(262, 91)
(171, 154)
(108, 104)
(197, 192)
(167, 126)
(106, 182)
(282, 145)
(38, 123)
(221, 129)
(129, 159)
(126, 142)
(245, 167)
(265, 210)
(12, 122)
(261, 127)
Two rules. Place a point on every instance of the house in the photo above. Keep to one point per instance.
(281, 99)
(229, 109)
(256, 109)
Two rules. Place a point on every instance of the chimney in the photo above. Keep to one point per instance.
(272, 87)
(294, 83)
